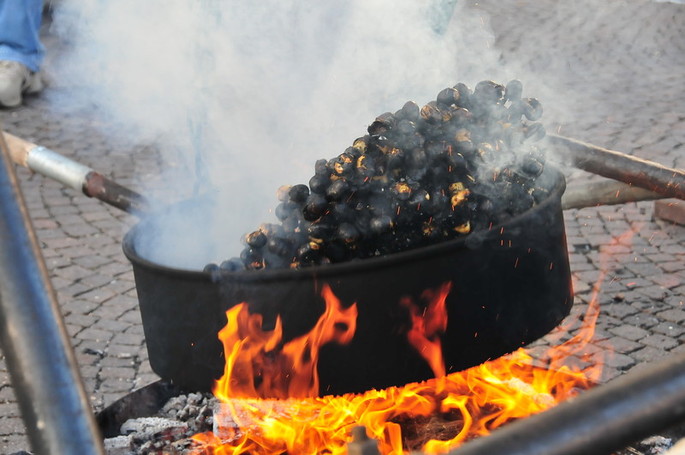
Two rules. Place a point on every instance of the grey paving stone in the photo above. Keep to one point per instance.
(95, 281)
(619, 361)
(667, 281)
(119, 372)
(73, 329)
(679, 291)
(647, 354)
(662, 342)
(609, 373)
(644, 269)
(582, 266)
(111, 326)
(658, 293)
(93, 334)
(123, 351)
(83, 320)
(669, 329)
(679, 349)
(109, 361)
(673, 315)
(132, 339)
(629, 332)
(97, 295)
(639, 284)
(676, 301)
(13, 443)
(620, 345)
(9, 409)
(77, 306)
(619, 310)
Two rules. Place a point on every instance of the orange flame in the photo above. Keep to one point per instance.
(258, 364)
(427, 325)
(461, 405)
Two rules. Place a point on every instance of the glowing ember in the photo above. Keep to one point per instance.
(463, 405)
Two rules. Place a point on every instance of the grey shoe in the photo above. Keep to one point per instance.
(15, 80)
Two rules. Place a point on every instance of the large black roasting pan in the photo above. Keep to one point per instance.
(510, 285)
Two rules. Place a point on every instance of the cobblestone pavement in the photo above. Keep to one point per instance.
(620, 69)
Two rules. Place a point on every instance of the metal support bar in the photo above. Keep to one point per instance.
(607, 192)
(110, 192)
(57, 167)
(34, 340)
(74, 175)
(615, 165)
(600, 421)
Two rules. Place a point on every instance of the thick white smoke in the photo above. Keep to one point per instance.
(242, 97)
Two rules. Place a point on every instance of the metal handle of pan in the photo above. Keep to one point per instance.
(70, 173)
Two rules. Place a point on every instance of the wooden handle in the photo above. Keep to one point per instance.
(19, 149)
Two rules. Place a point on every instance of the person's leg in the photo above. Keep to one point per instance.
(20, 22)
(21, 52)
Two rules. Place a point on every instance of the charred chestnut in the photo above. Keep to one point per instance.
(279, 246)
(319, 183)
(532, 165)
(338, 190)
(488, 92)
(448, 96)
(284, 210)
(431, 113)
(532, 109)
(315, 206)
(232, 265)
(256, 239)
(309, 253)
(211, 268)
(513, 90)
(381, 224)
(406, 127)
(348, 233)
(298, 193)
(409, 111)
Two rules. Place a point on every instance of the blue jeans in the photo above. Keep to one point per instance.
(19, 32)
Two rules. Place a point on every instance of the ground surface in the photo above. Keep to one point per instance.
(622, 68)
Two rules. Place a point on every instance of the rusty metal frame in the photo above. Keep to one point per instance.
(35, 342)
(627, 409)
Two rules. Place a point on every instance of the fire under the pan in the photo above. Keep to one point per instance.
(432, 416)
(419, 417)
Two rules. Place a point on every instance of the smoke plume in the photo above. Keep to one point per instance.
(242, 97)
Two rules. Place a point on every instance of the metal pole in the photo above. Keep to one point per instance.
(74, 175)
(668, 182)
(600, 421)
(607, 192)
(41, 362)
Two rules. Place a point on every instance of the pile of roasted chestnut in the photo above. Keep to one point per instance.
(421, 175)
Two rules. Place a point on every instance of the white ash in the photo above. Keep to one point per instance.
(120, 445)
(168, 431)
(654, 445)
(151, 425)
